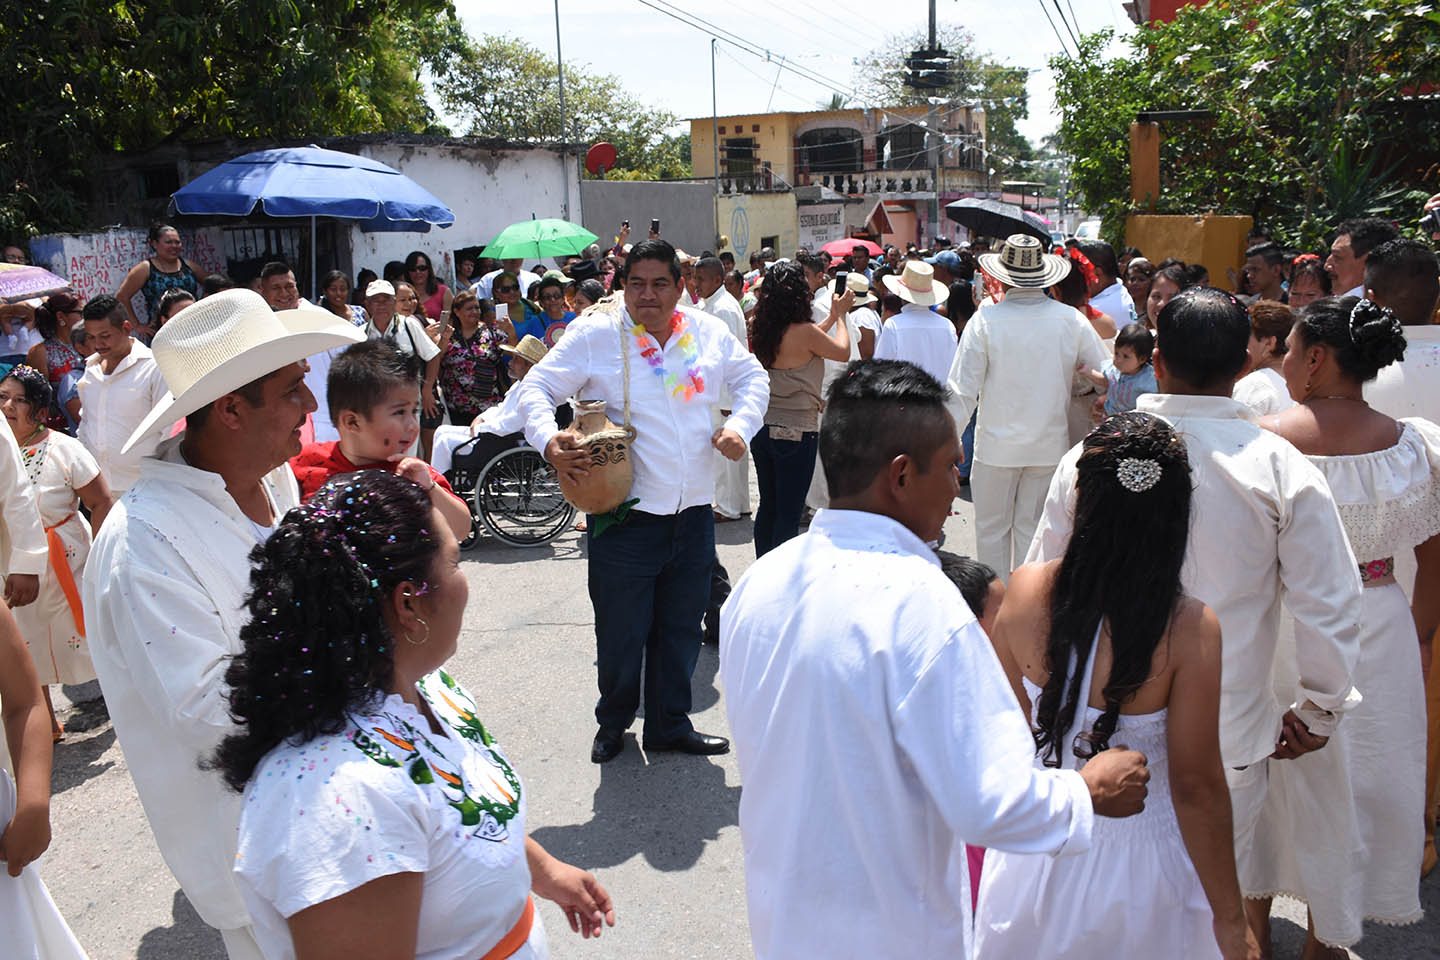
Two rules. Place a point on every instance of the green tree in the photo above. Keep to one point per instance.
(1313, 112)
(86, 77)
(974, 78)
(503, 87)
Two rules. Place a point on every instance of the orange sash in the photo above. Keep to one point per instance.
(63, 576)
(517, 936)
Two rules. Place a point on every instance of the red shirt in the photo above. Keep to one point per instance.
(318, 462)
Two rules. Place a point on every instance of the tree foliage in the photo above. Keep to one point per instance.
(1320, 110)
(503, 87)
(975, 78)
(85, 77)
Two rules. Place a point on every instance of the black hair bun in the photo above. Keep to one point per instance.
(1377, 334)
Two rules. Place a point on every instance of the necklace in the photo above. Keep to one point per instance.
(689, 355)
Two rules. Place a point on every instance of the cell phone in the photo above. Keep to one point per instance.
(654, 226)
(1431, 221)
(625, 224)
(842, 277)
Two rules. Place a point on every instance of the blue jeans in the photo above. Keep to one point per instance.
(782, 469)
(649, 583)
(967, 441)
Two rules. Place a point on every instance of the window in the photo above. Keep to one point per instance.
(771, 242)
(903, 148)
(830, 150)
(159, 182)
(739, 156)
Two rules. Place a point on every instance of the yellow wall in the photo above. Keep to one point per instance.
(745, 218)
(1215, 241)
(774, 142)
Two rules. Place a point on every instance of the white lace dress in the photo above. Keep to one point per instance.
(1342, 827)
(1135, 893)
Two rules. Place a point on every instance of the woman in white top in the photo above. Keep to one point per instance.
(64, 475)
(1343, 831)
(1108, 650)
(1074, 290)
(1263, 389)
(380, 817)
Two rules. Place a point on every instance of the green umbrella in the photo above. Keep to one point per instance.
(539, 238)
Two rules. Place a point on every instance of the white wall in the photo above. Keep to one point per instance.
(487, 189)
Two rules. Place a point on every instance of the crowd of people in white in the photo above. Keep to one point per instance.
(1187, 671)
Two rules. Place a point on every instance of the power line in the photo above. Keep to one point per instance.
(1061, 14)
(1063, 49)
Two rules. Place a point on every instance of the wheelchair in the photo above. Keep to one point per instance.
(513, 493)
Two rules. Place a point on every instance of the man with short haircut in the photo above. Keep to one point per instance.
(1265, 273)
(860, 260)
(1353, 242)
(946, 264)
(1016, 362)
(1265, 528)
(119, 388)
(166, 581)
(727, 260)
(650, 558)
(1405, 276)
(875, 730)
(918, 334)
(732, 477)
(1107, 293)
(484, 286)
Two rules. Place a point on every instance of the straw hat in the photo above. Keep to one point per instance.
(529, 348)
(1023, 262)
(917, 284)
(219, 344)
(861, 287)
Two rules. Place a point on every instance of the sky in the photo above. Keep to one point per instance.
(667, 63)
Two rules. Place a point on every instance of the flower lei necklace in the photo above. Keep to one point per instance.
(689, 355)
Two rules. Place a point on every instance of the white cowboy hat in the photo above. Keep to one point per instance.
(917, 284)
(1023, 262)
(861, 287)
(529, 348)
(217, 345)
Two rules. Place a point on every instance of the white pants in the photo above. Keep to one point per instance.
(240, 944)
(1247, 799)
(732, 479)
(1008, 501)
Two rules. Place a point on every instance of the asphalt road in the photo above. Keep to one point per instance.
(661, 833)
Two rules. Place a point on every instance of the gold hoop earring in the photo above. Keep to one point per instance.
(427, 634)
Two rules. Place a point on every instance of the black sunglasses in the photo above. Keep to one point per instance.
(509, 289)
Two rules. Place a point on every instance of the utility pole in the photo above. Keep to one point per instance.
(564, 148)
(935, 141)
(715, 139)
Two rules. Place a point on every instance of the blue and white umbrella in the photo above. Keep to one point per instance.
(313, 182)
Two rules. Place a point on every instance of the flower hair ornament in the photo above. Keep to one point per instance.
(1138, 475)
(1082, 262)
(1305, 258)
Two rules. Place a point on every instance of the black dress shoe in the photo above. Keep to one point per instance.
(691, 742)
(607, 745)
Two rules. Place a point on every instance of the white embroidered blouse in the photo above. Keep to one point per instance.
(388, 795)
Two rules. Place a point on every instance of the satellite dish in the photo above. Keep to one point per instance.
(599, 158)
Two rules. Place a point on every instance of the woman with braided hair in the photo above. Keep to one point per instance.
(1104, 649)
(380, 816)
(1344, 831)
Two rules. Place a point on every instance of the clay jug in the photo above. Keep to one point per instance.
(611, 470)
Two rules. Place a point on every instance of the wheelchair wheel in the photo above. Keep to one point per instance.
(518, 499)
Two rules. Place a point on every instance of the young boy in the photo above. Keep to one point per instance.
(374, 398)
(1130, 374)
(978, 583)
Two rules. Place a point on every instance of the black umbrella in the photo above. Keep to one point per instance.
(991, 218)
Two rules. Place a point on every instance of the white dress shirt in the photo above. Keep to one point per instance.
(163, 591)
(1116, 303)
(876, 734)
(1263, 391)
(921, 336)
(112, 407)
(1263, 528)
(721, 304)
(1017, 360)
(23, 546)
(674, 466)
(484, 286)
